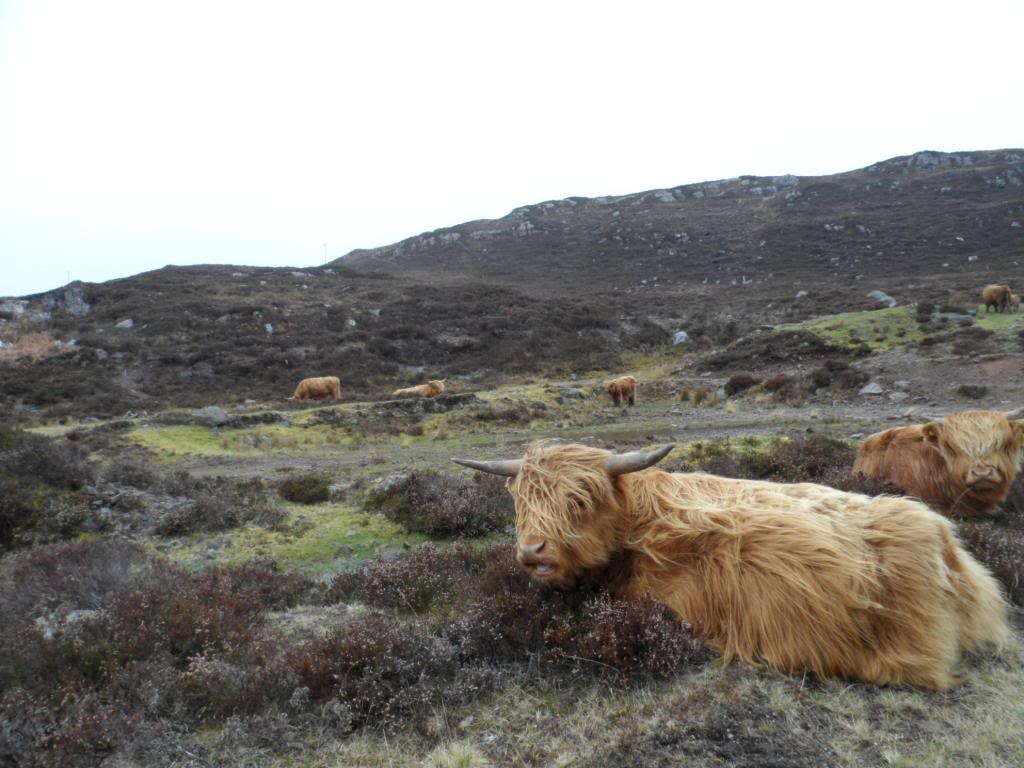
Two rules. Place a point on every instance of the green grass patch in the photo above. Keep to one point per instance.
(324, 538)
(881, 329)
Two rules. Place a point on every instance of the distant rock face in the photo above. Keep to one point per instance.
(883, 298)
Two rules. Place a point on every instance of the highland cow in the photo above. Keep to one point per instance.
(622, 389)
(997, 296)
(1015, 302)
(430, 389)
(318, 388)
(800, 577)
(962, 465)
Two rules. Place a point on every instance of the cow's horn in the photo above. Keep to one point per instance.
(505, 467)
(634, 461)
(1014, 415)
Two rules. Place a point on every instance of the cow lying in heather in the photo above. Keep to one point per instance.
(997, 296)
(317, 388)
(430, 389)
(962, 465)
(622, 389)
(801, 577)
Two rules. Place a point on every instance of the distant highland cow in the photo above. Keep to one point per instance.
(997, 296)
(430, 389)
(622, 389)
(963, 464)
(318, 388)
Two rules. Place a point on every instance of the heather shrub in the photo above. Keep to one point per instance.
(312, 488)
(444, 505)
(39, 480)
(923, 311)
(739, 382)
(424, 578)
(972, 391)
(218, 504)
(1001, 549)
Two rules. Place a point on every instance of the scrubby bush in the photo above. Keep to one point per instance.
(739, 382)
(444, 505)
(923, 312)
(217, 505)
(312, 488)
(972, 391)
(39, 481)
(1001, 549)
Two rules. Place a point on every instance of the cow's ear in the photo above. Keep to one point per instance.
(930, 432)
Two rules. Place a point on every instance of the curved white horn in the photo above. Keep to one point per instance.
(634, 461)
(505, 467)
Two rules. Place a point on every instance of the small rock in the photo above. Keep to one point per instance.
(350, 534)
(680, 337)
(872, 388)
(211, 416)
(856, 435)
(125, 324)
(883, 298)
(801, 294)
(901, 384)
(268, 328)
(897, 397)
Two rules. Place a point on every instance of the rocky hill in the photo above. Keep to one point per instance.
(568, 285)
(927, 216)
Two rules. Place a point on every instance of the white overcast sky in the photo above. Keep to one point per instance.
(139, 133)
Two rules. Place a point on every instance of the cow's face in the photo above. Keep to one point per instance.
(565, 521)
(981, 448)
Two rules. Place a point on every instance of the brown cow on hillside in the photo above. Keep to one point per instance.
(961, 465)
(430, 389)
(317, 388)
(799, 577)
(997, 296)
(621, 389)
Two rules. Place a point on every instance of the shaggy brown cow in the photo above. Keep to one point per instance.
(801, 577)
(318, 388)
(1014, 302)
(963, 464)
(997, 296)
(621, 389)
(430, 389)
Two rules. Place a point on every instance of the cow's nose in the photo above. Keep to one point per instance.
(982, 471)
(531, 550)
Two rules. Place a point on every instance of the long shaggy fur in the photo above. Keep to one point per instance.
(939, 462)
(997, 296)
(796, 577)
(317, 388)
(621, 389)
(430, 389)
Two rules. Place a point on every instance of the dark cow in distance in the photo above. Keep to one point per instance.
(998, 296)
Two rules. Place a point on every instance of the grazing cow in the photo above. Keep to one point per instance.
(317, 388)
(430, 389)
(800, 577)
(622, 389)
(1015, 302)
(997, 296)
(961, 465)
